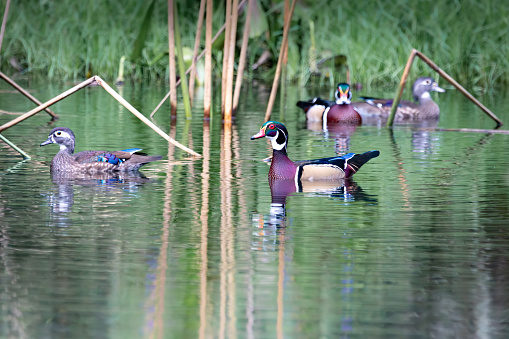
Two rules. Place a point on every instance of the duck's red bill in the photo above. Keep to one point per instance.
(260, 134)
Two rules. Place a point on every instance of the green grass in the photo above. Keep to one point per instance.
(70, 39)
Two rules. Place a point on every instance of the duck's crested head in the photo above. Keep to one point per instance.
(276, 132)
(343, 94)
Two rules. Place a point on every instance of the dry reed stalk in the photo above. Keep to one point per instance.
(189, 69)
(197, 40)
(171, 53)
(283, 82)
(208, 62)
(4, 22)
(466, 130)
(275, 83)
(458, 87)
(401, 87)
(242, 58)
(28, 95)
(226, 53)
(114, 94)
(231, 62)
(142, 117)
(444, 75)
(46, 104)
(199, 57)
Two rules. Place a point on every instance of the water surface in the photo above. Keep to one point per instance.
(416, 245)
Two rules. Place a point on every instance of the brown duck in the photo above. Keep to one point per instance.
(423, 109)
(92, 161)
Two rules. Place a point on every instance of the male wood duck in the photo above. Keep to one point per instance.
(424, 107)
(340, 111)
(282, 167)
(92, 161)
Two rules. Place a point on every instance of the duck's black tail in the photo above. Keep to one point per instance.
(358, 160)
(305, 105)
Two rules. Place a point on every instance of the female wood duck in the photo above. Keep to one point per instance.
(424, 107)
(92, 161)
(282, 167)
(341, 111)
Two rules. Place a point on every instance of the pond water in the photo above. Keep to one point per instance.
(416, 245)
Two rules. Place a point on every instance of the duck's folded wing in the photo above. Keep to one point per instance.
(114, 158)
(335, 161)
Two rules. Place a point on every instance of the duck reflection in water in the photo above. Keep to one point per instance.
(345, 190)
(341, 133)
(266, 235)
(61, 199)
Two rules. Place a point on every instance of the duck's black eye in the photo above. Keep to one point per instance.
(58, 133)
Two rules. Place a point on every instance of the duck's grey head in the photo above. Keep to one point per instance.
(423, 86)
(62, 136)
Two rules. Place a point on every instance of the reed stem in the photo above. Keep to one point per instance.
(207, 95)
(231, 62)
(171, 55)
(16, 148)
(182, 68)
(443, 74)
(197, 40)
(401, 87)
(47, 104)
(275, 83)
(466, 130)
(282, 98)
(242, 58)
(226, 53)
(142, 117)
(4, 22)
(458, 87)
(28, 95)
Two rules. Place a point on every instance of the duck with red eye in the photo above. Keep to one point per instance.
(282, 167)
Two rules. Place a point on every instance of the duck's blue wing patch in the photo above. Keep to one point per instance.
(132, 150)
(109, 157)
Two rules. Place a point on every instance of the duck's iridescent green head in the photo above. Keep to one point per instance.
(343, 94)
(276, 132)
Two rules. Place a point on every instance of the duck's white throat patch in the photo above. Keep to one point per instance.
(275, 144)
